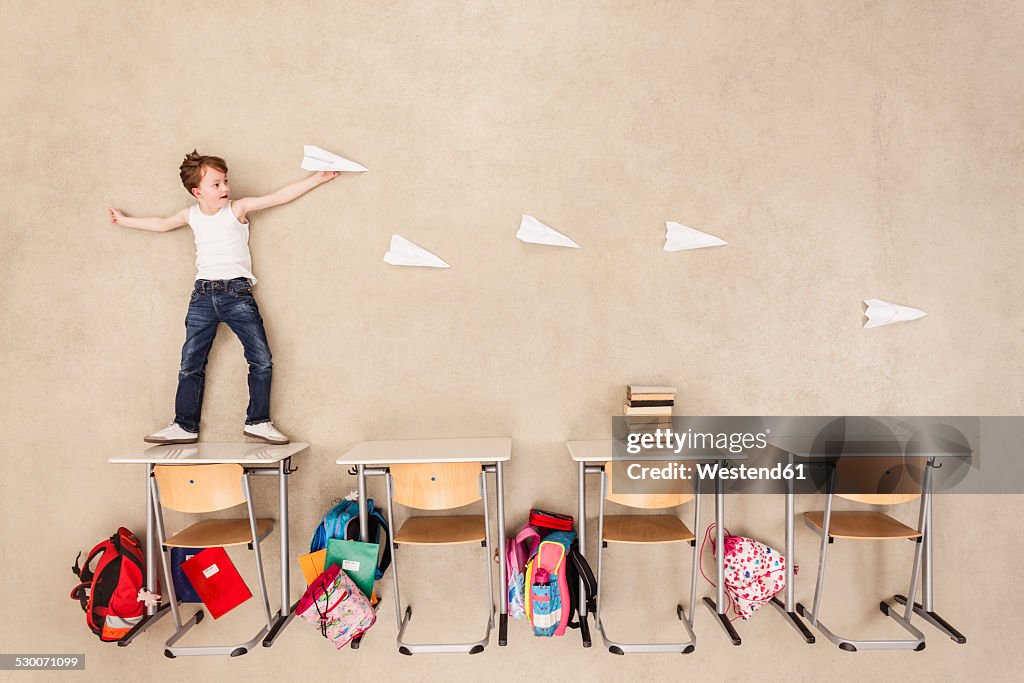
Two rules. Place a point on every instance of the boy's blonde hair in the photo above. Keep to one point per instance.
(191, 169)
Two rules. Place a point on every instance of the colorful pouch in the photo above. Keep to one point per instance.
(337, 607)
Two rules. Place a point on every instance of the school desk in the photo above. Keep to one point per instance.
(827, 452)
(257, 458)
(371, 458)
(590, 457)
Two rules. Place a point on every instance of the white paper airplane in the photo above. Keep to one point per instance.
(884, 313)
(402, 252)
(533, 231)
(678, 237)
(316, 159)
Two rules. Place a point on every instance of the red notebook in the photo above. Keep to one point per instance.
(216, 580)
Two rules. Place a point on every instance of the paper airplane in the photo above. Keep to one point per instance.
(533, 231)
(316, 159)
(678, 237)
(884, 313)
(402, 252)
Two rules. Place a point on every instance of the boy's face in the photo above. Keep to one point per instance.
(213, 188)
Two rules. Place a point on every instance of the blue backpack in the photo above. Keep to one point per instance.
(342, 522)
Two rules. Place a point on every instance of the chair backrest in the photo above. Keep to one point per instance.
(200, 488)
(880, 480)
(647, 501)
(436, 485)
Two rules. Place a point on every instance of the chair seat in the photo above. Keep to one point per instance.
(864, 525)
(213, 533)
(645, 529)
(448, 530)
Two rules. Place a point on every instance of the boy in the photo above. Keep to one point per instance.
(222, 293)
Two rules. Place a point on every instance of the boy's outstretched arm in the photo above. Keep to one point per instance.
(286, 194)
(153, 224)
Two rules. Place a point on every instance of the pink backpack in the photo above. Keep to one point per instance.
(754, 573)
(518, 551)
(335, 605)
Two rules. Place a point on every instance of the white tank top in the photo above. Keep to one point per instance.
(222, 245)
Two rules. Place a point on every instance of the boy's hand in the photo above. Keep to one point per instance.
(115, 215)
(246, 205)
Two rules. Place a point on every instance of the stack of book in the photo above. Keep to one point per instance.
(648, 407)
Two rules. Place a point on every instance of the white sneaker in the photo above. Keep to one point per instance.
(172, 433)
(265, 431)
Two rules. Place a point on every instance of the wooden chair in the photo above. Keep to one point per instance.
(646, 529)
(874, 480)
(439, 486)
(199, 489)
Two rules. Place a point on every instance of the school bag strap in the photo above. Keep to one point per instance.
(583, 572)
(85, 571)
(81, 593)
(385, 556)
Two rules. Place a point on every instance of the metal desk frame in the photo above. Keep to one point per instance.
(257, 459)
(588, 464)
(924, 609)
(789, 607)
(368, 461)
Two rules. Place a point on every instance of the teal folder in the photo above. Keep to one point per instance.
(357, 559)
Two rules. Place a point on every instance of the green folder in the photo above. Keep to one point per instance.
(357, 559)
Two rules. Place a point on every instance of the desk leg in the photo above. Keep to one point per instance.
(927, 610)
(789, 608)
(928, 599)
(364, 515)
(151, 580)
(717, 606)
(287, 608)
(364, 526)
(152, 613)
(790, 542)
(499, 482)
(582, 513)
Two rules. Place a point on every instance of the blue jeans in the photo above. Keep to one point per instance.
(214, 302)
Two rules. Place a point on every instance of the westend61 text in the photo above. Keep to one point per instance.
(713, 470)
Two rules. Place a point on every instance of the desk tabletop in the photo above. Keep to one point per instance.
(831, 449)
(412, 451)
(603, 450)
(212, 453)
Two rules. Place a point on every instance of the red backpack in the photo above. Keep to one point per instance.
(109, 594)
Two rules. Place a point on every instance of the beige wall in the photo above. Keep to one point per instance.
(845, 150)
